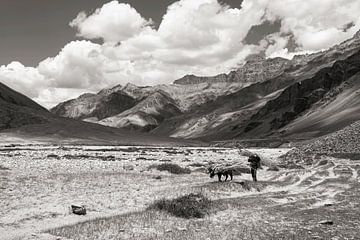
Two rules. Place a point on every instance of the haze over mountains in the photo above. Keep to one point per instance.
(308, 96)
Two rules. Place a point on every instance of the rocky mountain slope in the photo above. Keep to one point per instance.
(309, 96)
(146, 115)
(118, 106)
(256, 69)
(21, 119)
(263, 109)
(96, 106)
(344, 144)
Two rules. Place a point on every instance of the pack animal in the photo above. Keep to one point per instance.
(220, 171)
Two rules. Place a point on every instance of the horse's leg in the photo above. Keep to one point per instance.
(226, 176)
(231, 176)
(219, 176)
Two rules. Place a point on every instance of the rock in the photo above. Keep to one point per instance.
(326, 222)
(182, 229)
(78, 210)
(158, 177)
(323, 162)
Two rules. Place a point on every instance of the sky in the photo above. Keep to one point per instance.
(55, 50)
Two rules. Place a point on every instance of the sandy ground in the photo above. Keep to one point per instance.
(39, 183)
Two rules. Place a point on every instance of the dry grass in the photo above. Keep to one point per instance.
(171, 168)
(287, 204)
(188, 206)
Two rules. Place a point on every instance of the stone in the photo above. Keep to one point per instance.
(78, 210)
(326, 222)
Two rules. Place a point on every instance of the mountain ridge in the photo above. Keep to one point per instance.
(241, 103)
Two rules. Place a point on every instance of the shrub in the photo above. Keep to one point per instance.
(188, 206)
(172, 168)
(53, 156)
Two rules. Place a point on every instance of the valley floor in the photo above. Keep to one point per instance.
(38, 184)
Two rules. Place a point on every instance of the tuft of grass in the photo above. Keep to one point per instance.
(188, 206)
(171, 167)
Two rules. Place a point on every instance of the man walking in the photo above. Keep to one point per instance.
(254, 161)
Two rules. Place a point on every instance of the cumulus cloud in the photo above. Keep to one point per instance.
(202, 37)
(316, 25)
(113, 22)
(23, 79)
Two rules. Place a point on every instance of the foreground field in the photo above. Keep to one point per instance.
(117, 184)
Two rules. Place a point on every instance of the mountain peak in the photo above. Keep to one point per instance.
(255, 58)
(130, 86)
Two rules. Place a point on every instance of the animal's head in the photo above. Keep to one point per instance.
(211, 171)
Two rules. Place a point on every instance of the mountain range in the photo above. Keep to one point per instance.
(306, 97)
(23, 120)
(265, 99)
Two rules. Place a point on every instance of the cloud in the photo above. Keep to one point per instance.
(113, 22)
(316, 25)
(23, 79)
(202, 37)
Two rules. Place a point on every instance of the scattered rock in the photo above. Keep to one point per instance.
(326, 222)
(78, 210)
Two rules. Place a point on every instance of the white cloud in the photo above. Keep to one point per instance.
(202, 37)
(274, 43)
(23, 79)
(315, 24)
(113, 22)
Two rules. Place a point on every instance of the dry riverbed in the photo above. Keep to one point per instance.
(117, 184)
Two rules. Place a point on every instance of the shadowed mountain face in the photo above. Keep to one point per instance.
(96, 106)
(146, 115)
(309, 96)
(17, 110)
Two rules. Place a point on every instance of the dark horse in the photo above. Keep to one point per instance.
(220, 172)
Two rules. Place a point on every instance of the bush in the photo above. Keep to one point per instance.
(188, 206)
(172, 168)
(53, 156)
